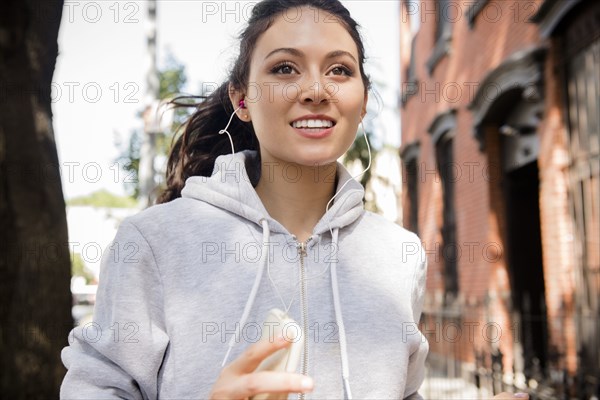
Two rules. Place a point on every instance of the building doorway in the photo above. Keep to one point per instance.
(519, 146)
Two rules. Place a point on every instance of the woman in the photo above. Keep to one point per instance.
(258, 215)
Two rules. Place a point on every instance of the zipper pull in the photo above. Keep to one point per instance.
(301, 246)
(301, 249)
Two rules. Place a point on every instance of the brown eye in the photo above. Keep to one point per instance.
(341, 70)
(284, 68)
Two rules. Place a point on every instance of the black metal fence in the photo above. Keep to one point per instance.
(466, 360)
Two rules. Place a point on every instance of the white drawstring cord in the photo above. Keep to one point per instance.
(338, 317)
(254, 290)
(334, 283)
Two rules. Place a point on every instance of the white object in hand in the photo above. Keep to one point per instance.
(283, 360)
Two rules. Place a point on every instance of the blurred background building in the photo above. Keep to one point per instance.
(500, 141)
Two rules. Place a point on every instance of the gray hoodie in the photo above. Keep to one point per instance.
(185, 287)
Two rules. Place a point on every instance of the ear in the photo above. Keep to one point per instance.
(364, 109)
(235, 96)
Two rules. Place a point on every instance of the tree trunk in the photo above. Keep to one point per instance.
(35, 298)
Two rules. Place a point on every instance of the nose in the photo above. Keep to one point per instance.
(314, 90)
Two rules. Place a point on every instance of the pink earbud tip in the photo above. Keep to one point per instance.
(242, 104)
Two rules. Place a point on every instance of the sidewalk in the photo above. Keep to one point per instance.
(441, 388)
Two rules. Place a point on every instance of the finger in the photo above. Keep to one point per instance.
(272, 382)
(249, 360)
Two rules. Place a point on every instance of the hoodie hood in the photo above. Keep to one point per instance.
(232, 189)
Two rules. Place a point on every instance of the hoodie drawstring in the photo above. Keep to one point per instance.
(264, 259)
(338, 318)
(336, 304)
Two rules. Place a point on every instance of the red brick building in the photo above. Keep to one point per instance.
(500, 147)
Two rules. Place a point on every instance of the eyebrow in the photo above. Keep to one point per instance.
(298, 53)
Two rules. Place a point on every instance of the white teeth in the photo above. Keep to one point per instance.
(312, 123)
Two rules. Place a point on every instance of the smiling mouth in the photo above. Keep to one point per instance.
(313, 130)
(313, 125)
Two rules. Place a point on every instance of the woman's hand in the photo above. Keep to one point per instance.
(239, 381)
(506, 395)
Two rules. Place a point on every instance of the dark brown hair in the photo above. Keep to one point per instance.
(195, 151)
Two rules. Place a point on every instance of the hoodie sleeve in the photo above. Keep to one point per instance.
(416, 362)
(119, 354)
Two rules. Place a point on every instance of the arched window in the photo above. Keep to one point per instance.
(442, 131)
(410, 160)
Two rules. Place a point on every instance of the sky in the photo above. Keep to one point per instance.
(99, 82)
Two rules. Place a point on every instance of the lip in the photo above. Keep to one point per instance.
(312, 133)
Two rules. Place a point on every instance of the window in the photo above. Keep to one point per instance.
(412, 172)
(582, 69)
(441, 13)
(442, 136)
(473, 10)
(410, 157)
(445, 163)
(443, 33)
(411, 86)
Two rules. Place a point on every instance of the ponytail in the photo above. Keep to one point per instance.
(195, 151)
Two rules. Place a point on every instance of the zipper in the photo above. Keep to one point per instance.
(302, 246)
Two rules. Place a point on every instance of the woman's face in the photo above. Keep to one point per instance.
(306, 64)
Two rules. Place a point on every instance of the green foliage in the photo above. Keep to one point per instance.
(129, 161)
(78, 268)
(359, 151)
(103, 198)
(172, 79)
